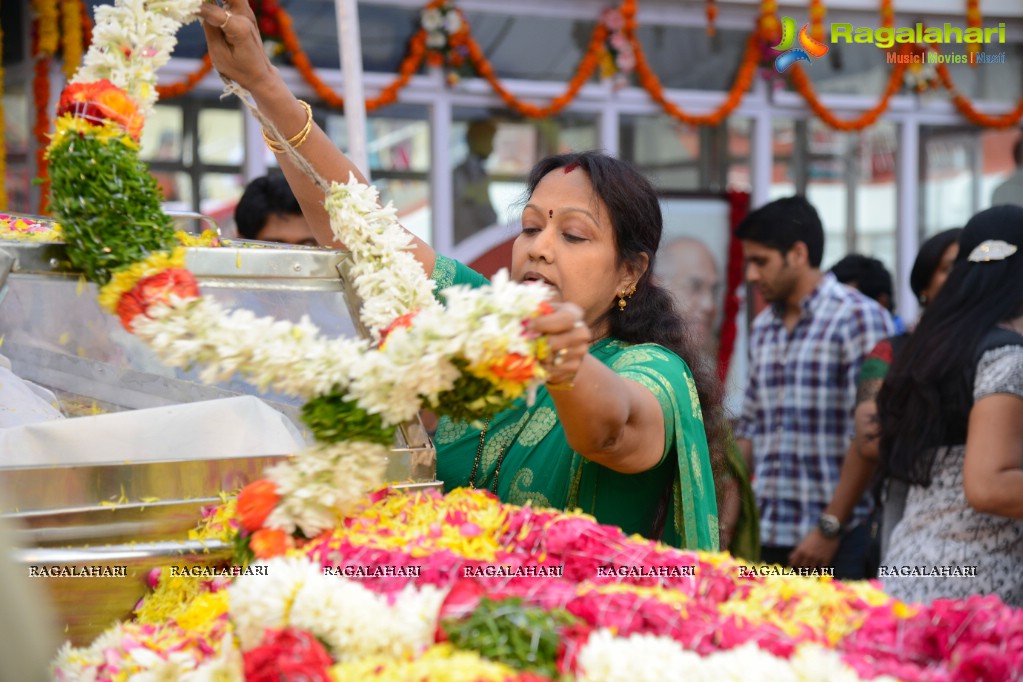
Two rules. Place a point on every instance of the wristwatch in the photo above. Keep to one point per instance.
(829, 526)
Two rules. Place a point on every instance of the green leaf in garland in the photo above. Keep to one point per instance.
(471, 399)
(523, 637)
(333, 419)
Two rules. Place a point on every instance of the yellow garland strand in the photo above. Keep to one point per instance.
(124, 280)
(71, 22)
(49, 31)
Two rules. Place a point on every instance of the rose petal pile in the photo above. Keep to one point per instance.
(381, 594)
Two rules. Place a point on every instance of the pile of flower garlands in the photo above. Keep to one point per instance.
(467, 359)
(420, 586)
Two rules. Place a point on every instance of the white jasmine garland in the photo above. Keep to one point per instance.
(388, 278)
(653, 658)
(258, 602)
(130, 41)
(319, 486)
(356, 622)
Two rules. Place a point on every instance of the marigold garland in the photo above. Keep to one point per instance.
(47, 26)
(969, 112)
(649, 81)
(804, 87)
(973, 20)
(191, 80)
(887, 14)
(41, 128)
(712, 15)
(817, 13)
(71, 35)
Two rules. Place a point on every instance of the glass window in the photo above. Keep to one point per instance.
(668, 152)
(740, 136)
(998, 166)
(18, 175)
(786, 178)
(830, 177)
(686, 57)
(876, 205)
(221, 136)
(398, 146)
(218, 195)
(947, 178)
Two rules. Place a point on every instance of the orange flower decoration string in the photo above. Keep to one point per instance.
(712, 16)
(71, 36)
(178, 89)
(767, 23)
(649, 81)
(805, 88)
(973, 20)
(409, 66)
(887, 14)
(966, 108)
(587, 67)
(817, 13)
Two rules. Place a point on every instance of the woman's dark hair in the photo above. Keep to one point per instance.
(926, 398)
(650, 316)
(928, 259)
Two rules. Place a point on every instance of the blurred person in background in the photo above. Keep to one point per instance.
(930, 270)
(1011, 190)
(871, 278)
(951, 411)
(806, 348)
(470, 182)
(269, 212)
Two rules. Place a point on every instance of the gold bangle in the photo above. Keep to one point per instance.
(300, 136)
(564, 386)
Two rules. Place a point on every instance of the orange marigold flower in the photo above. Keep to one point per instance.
(100, 101)
(400, 321)
(156, 289)
(255, 502)
(514, 367)
(266, 543)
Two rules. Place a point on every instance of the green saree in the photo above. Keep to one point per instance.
(537, 466)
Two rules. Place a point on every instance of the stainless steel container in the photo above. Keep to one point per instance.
(136, 515)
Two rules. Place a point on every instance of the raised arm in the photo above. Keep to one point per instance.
(237, 53)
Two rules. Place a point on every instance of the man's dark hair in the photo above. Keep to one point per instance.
(1017, 152)
(868, 275)
(263, 197)
(782, 223)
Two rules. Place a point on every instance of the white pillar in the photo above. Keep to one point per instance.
(907, 231)
(761, 158)
(350, 46)
(441, 187)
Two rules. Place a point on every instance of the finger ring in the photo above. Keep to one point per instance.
(579, 324)
(226, 19)
(559, 357)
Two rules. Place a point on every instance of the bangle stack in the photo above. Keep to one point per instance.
(299, 138)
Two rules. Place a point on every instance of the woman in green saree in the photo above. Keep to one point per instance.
(620, 430)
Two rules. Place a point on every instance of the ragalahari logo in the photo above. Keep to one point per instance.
(808, 50)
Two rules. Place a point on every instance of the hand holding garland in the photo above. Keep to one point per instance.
(236, 48)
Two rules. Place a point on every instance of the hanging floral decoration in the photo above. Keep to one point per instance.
(887, 14)
(921, 76)
(72, 35)
(618, 60)
(711, 10)
(818, 12)
(973, 20)
(447, 34)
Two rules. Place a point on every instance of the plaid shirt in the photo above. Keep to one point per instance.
(799, 405)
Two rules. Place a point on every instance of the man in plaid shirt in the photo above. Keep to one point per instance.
(805, 351)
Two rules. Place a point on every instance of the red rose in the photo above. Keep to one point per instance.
(156, 289)
(288, 656)
(255, 502)
(102, 101)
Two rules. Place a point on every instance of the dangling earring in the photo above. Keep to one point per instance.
(625, 293)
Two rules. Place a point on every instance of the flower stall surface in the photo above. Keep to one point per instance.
(337, 577)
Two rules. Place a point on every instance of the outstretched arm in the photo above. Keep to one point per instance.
(237, 52)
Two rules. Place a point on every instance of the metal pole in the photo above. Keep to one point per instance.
(350, 46)
(907, 227)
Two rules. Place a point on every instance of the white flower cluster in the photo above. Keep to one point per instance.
(319, 486)
(388, 278)
(439, 23)
(138, 663)
(350, 619)
(651, 658)
(130, 41)
(288, 357)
